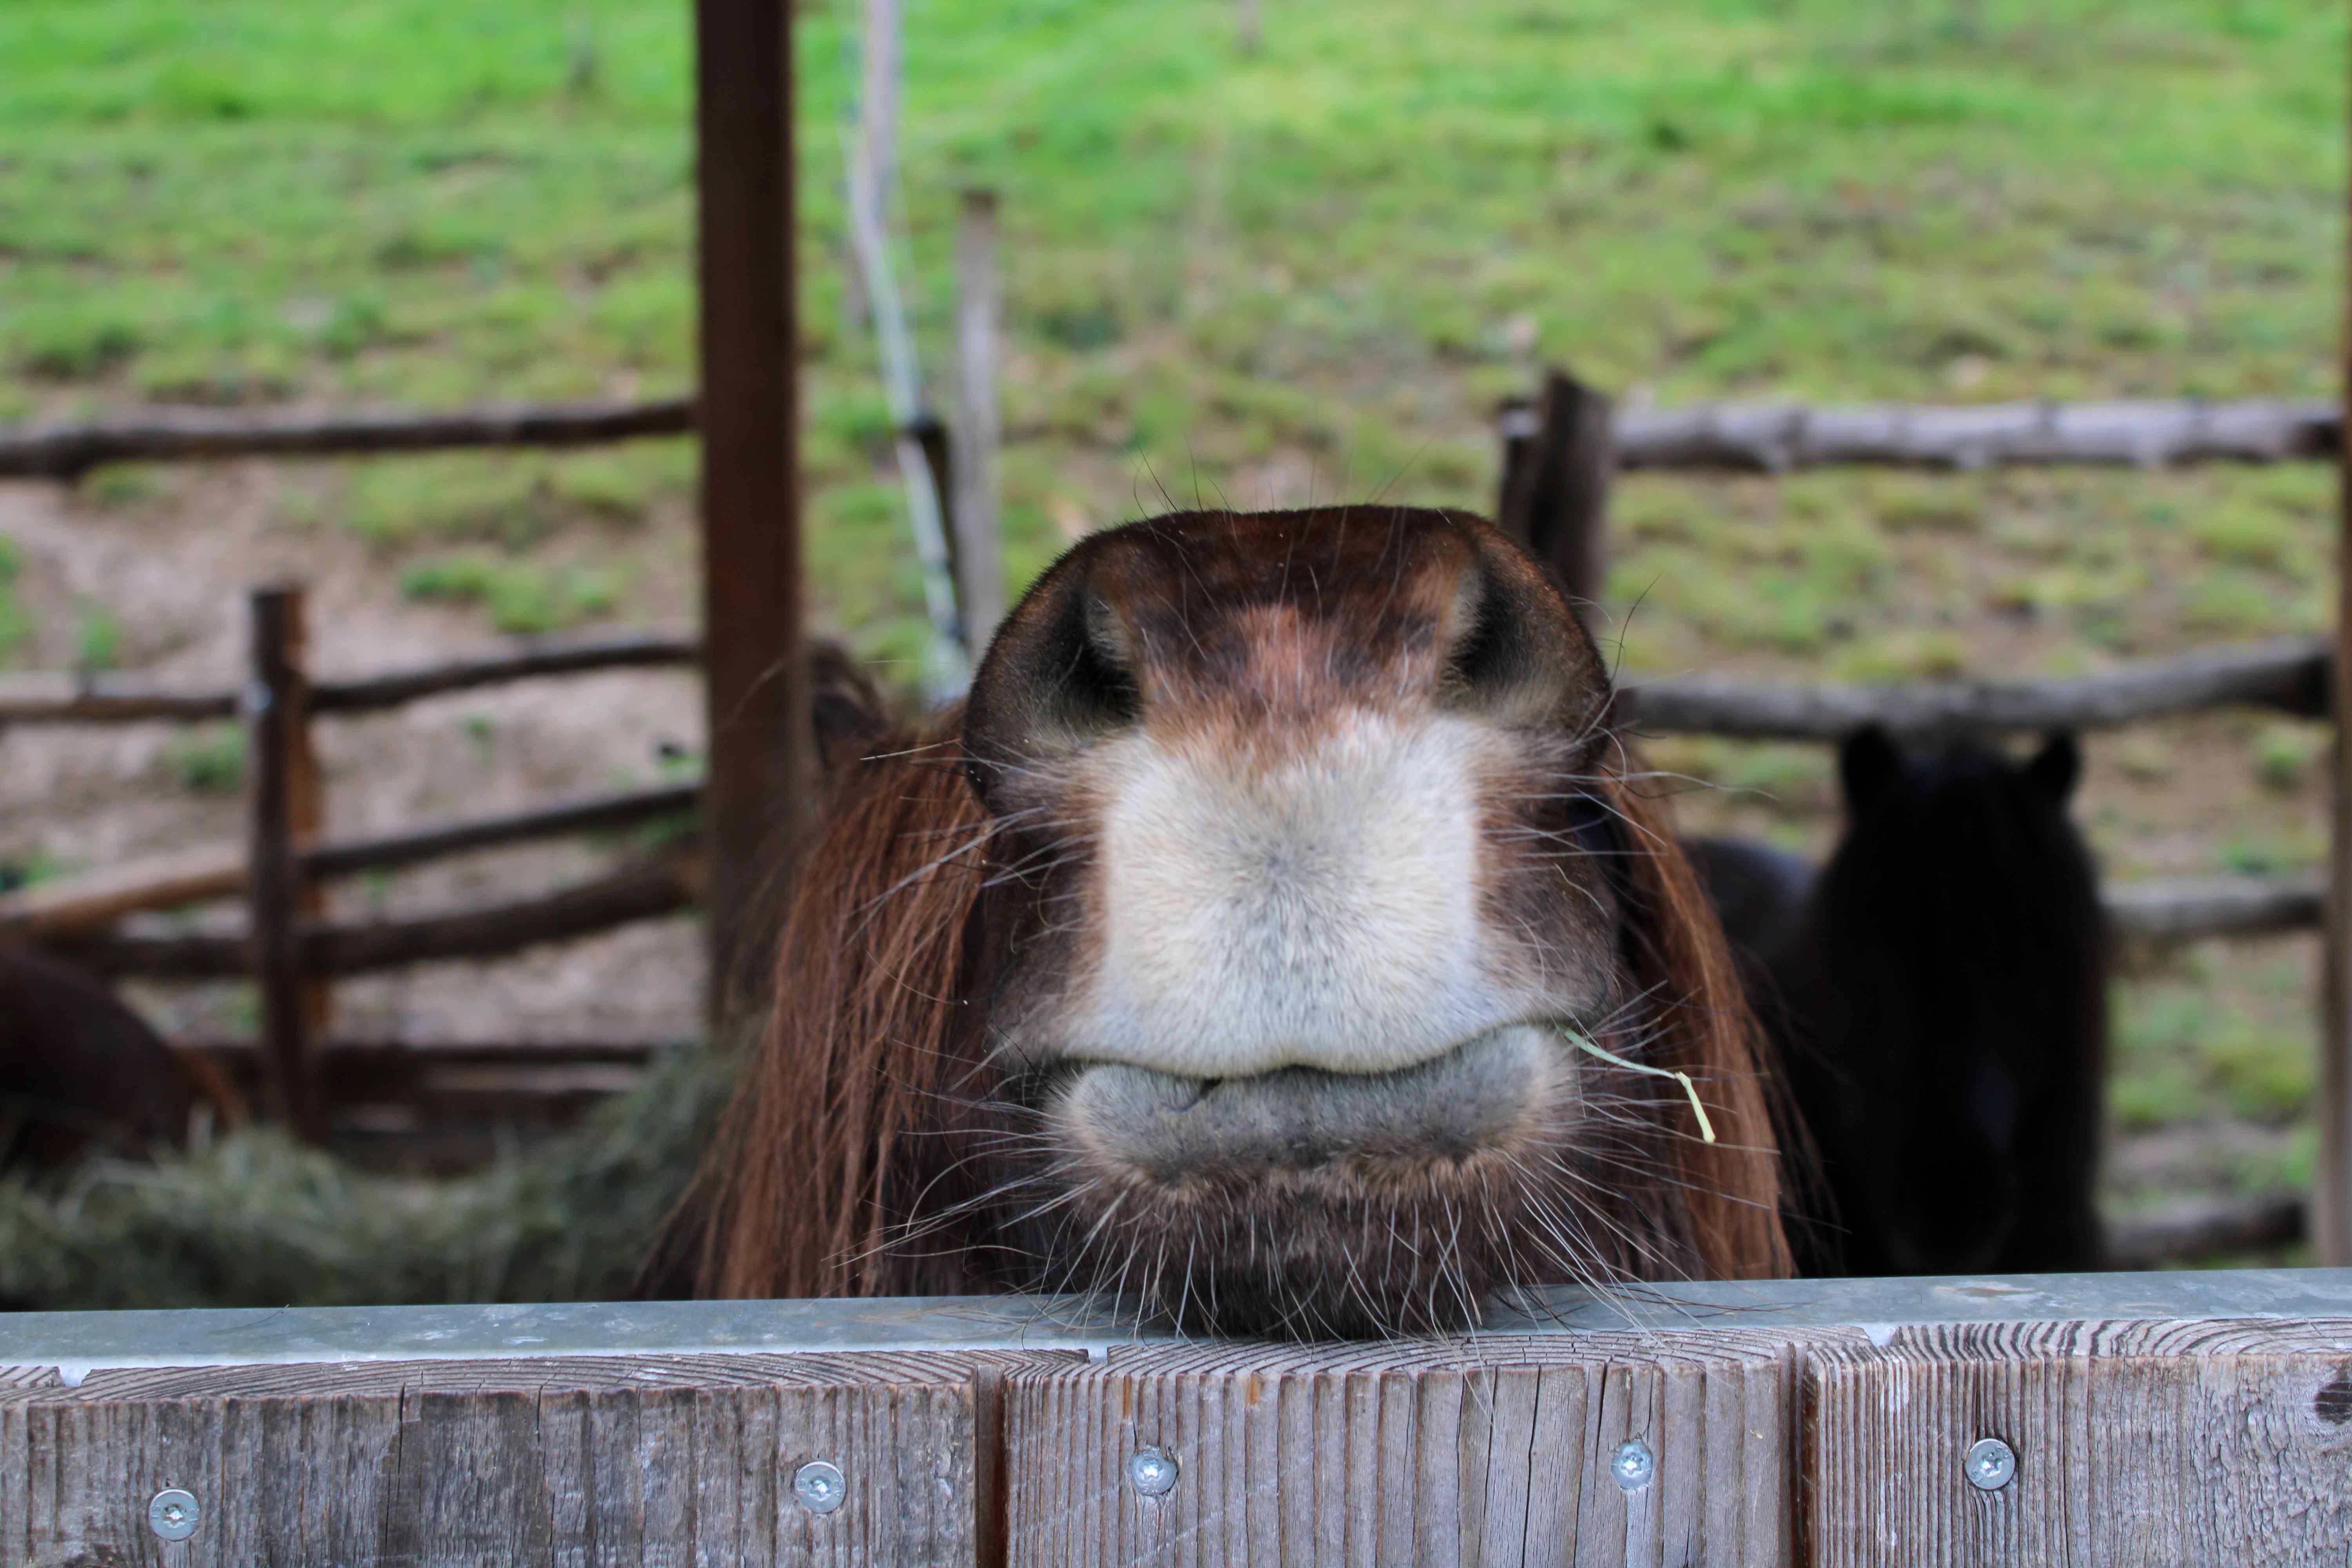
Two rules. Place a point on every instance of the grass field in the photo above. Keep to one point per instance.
(1311, 272)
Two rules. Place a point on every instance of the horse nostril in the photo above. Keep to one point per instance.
(1512, 651)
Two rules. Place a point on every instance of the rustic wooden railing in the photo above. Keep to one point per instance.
(1562, 447)
(285, 944)
(1766, 437)
(2288, 675)
(302, 950)
(69, 451)
(1560, 450)
(2126, 1419)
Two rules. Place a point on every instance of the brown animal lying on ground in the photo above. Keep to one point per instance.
(80, 1071)
(1274, 936)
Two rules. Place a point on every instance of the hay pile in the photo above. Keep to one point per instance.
(258, 1220)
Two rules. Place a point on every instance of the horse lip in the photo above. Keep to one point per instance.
(1075, 1062)
(1484, 1093)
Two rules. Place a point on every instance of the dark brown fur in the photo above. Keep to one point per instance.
(79, 1069)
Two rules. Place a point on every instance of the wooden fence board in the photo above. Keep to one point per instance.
(1558, 458)
(67, 451)
(1750, 436)
(2289, 675)
(2156, 1418)
(645, 887)
(2136, 1443)
(1492, 1450)
(1768, 439)
(280, 809)
(67, 697)
(565, 1460)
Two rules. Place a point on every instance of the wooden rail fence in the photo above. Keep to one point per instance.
(1754, 438)
(2124, 1419)
(285, 944)
(1560, 449)
(293, 950)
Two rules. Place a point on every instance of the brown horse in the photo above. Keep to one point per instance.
(1232, 950)
(80, 1071)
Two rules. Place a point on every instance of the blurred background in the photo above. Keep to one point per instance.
(1261, 259)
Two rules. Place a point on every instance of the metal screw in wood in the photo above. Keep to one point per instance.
(173, 1514)
(1633, 1464)
(819, 1487)
(1991, 1463)
(1151, 1472)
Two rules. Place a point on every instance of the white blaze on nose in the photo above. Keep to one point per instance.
(1315, 906)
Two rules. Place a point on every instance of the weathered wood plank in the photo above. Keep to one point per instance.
(1558, 458)
(2289, 675)
(524, 660)
(67, 451)
(65, 697)
(1756, 436)
(1494, 1450)
(1768, 439)
(81, 905)
(2218, 906)
(581, 814)
(568, 1460)
(2135, 1443)
(644, 887)
(281, 805)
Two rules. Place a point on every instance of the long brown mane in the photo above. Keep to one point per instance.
(858, 1041)
(1731, 1187)
(870, 1037)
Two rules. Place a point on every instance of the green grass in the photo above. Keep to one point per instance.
(15, 620)
(97, 640)
(2181, 1056)
(208, 759)
(1341, 248)
(512, 499)
(2284, 753)
(521, 598)
(1309, 271)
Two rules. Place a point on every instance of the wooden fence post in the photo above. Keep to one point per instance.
(2331, 1175)
(972, 520)
(1558, 461)
(282, 793)
(755, 688)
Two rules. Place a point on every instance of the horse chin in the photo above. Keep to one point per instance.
(1314, 1204)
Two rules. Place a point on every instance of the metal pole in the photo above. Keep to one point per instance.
(979, 553)
(755, 690)
(872, 165)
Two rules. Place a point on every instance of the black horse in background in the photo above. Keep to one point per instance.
(1937, 993)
